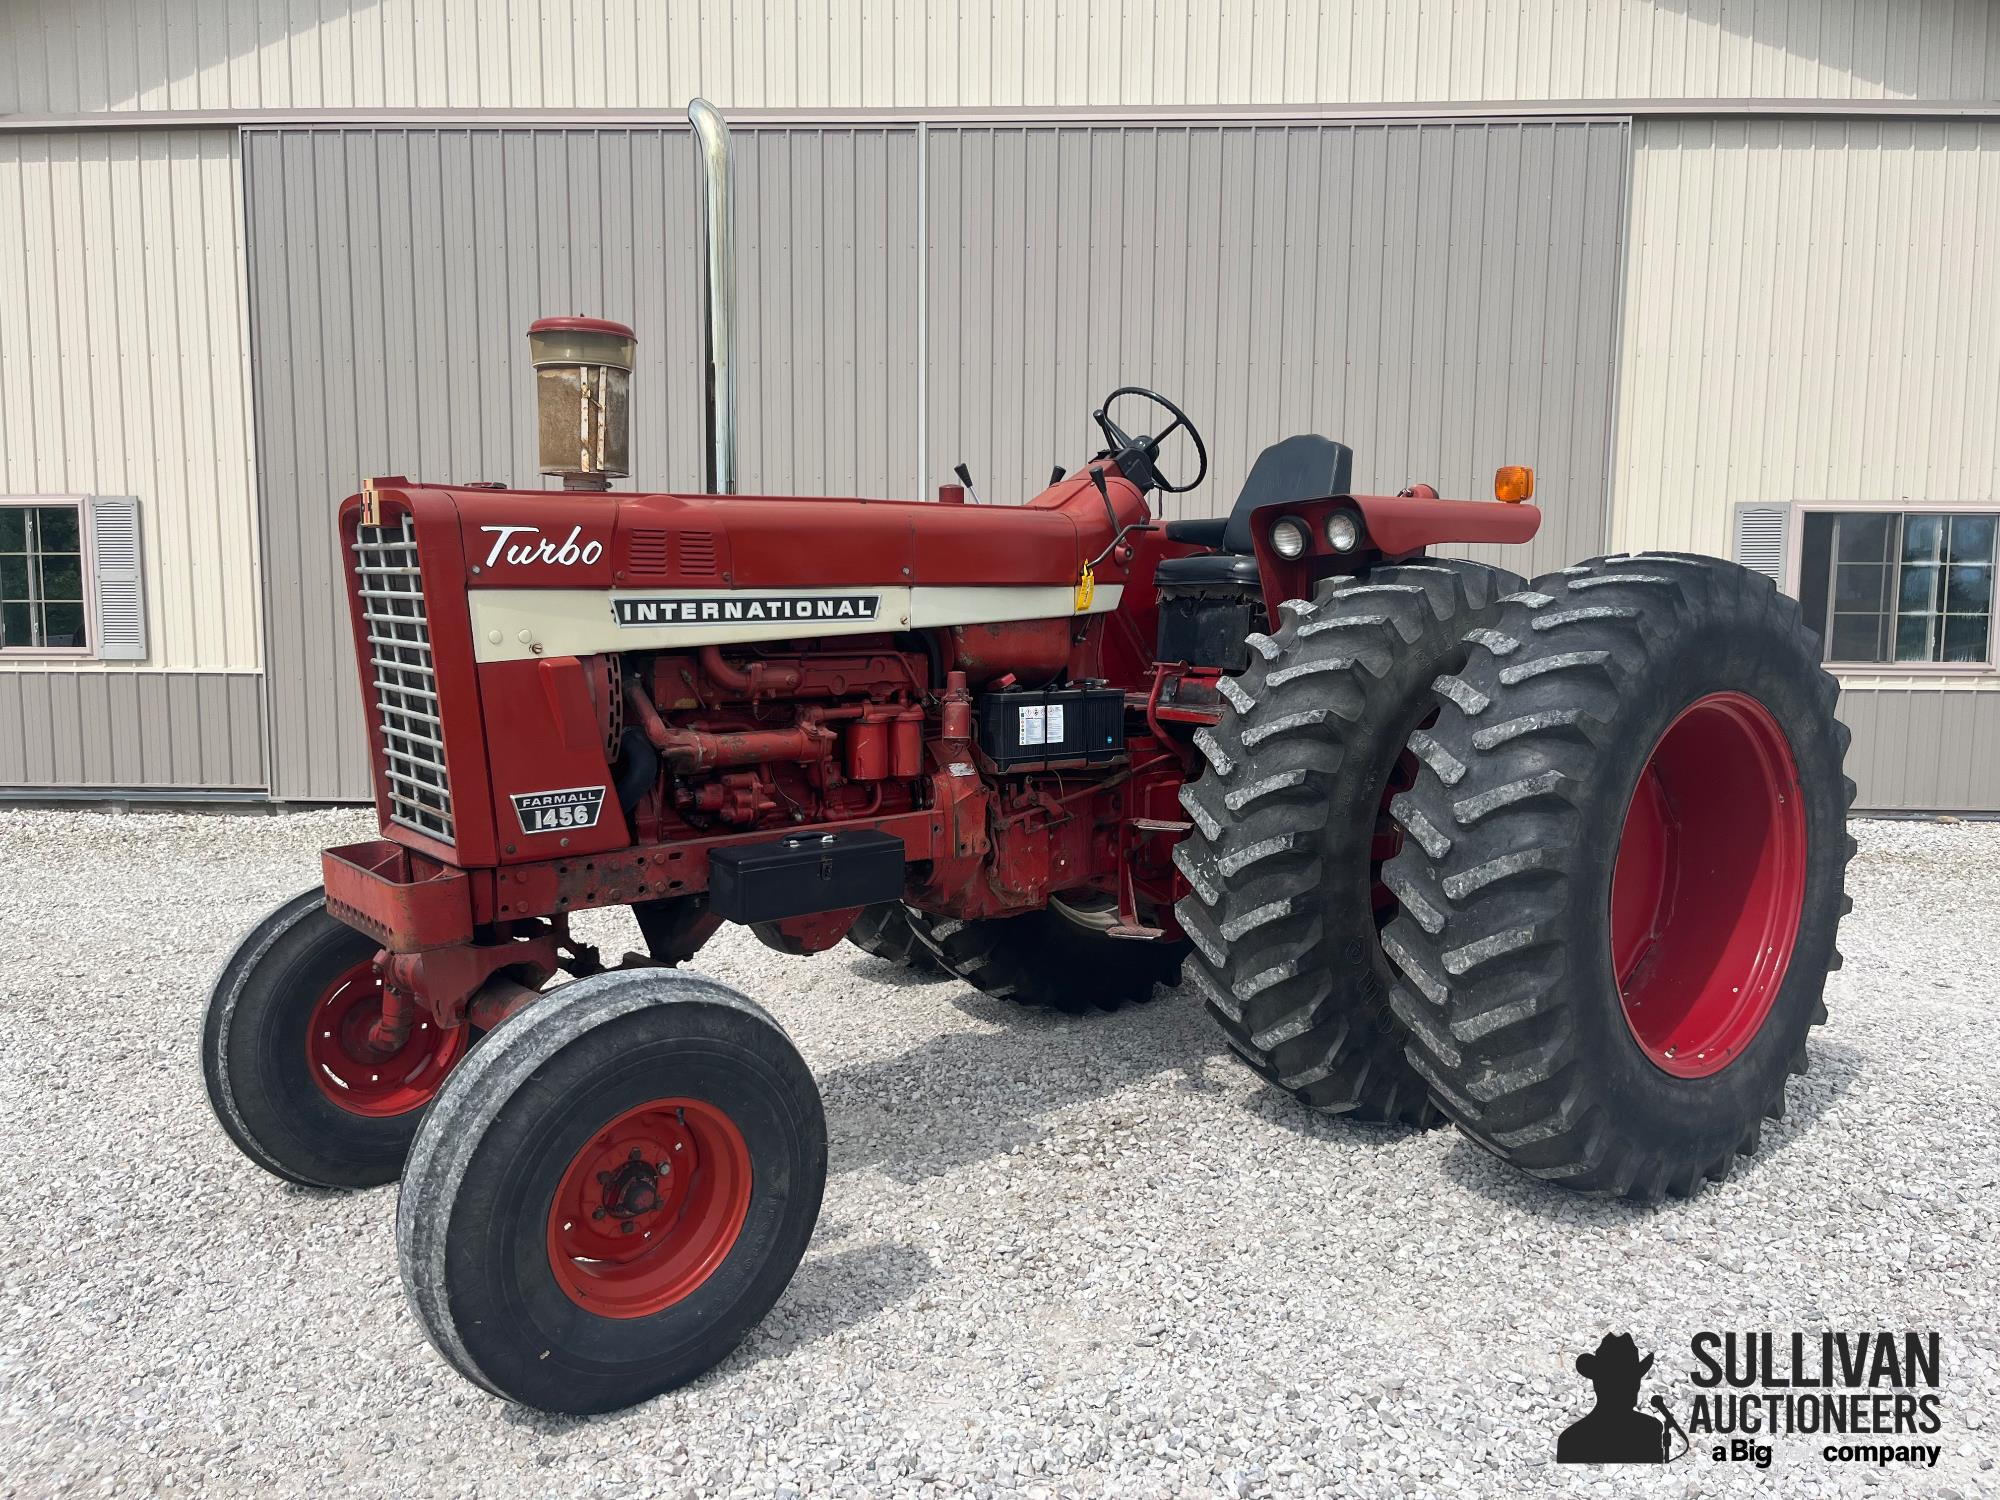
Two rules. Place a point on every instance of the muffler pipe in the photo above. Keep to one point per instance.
(718, 323)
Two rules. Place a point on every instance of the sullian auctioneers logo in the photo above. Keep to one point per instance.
(1865, 1397)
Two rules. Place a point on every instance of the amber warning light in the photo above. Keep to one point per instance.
(1514, 483)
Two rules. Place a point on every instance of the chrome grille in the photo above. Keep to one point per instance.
(391, 589)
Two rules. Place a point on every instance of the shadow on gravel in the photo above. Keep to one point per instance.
(830, 1294)
(966, 1096)
(1834, 1068)
(895, 976)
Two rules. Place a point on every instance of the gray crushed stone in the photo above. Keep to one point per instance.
(1057, 1256)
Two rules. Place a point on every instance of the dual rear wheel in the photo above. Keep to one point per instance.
(1594, 928)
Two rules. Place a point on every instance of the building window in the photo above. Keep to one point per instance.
(1905, 587)
(42, 576)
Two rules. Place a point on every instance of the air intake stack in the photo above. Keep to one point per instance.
(583, 389)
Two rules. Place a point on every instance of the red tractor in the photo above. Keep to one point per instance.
(1561, 861)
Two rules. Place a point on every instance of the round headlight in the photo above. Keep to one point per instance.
(1343, 531)
(1288, 538)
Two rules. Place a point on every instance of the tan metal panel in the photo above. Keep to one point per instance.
(189, 54)
(1810, 317)
(121, 318)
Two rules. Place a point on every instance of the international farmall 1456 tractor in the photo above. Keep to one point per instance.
(1560, 861)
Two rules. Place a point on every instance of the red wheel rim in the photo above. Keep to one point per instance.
(356, 1076)
(649, 1208)
(1709, 886)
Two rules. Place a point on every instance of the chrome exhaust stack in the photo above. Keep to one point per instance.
(718, 323)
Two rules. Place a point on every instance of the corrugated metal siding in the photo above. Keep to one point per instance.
(201, 731)
(122, 364)
(1812, 315)
(394, 274)
(1442, 298)
(122, 373)
(144, 54)
(1923, 746)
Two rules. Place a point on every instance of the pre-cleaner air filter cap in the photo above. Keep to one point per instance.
(583, 381)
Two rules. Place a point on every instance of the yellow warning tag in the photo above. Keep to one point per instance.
(1086, 587)
(371, 508)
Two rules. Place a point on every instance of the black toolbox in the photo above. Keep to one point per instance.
(802, 873)
(1022, 728)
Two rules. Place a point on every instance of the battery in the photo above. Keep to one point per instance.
(1027, 728)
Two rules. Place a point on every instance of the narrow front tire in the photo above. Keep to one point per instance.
(612, 1192)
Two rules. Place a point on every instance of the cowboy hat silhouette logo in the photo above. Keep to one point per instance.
(1613, 1432)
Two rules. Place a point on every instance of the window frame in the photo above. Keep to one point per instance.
(1795, 536)
(88, 552)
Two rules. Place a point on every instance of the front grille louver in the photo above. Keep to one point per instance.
(390, 587)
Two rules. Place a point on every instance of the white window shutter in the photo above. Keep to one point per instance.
(121, 600)
(1761, 531)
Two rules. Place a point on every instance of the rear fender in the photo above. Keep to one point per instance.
(1393, 528)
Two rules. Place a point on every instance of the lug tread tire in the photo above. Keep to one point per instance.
(503, 1105)
(1042, 959)
(884, 931)
(1502, 946)
(1286, 953)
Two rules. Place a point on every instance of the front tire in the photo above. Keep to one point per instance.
(1291, 827)
(612, 1191)
(1624, 873)
(283, 1053)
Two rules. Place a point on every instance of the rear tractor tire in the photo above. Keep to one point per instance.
(885, 932)
(612, 1191)
(1624, 873)
(1060, 958)
(1291, 828)
(284, 1053)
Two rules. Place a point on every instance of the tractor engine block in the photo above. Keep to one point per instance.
(783, 739)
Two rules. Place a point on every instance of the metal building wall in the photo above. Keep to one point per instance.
(1812, 314)
(338, 54)
(394, 273)
(122, 372)
(1443, 298)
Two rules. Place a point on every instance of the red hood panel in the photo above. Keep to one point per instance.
(558, 539)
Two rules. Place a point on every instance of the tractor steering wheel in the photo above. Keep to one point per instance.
(1137, 457)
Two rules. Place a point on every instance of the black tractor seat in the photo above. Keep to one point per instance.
(1305, 467)
(1206, 570)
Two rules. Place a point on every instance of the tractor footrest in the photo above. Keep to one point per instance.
(1141, 934)
(1161, 825)
(403, 901)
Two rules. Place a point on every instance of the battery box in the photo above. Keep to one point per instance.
(1023, 729)
(803, 873)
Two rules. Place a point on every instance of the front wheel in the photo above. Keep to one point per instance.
(612, 1191)
(291, 1075)
(1623, 873)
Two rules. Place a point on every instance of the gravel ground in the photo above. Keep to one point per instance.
(1056, 1256)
